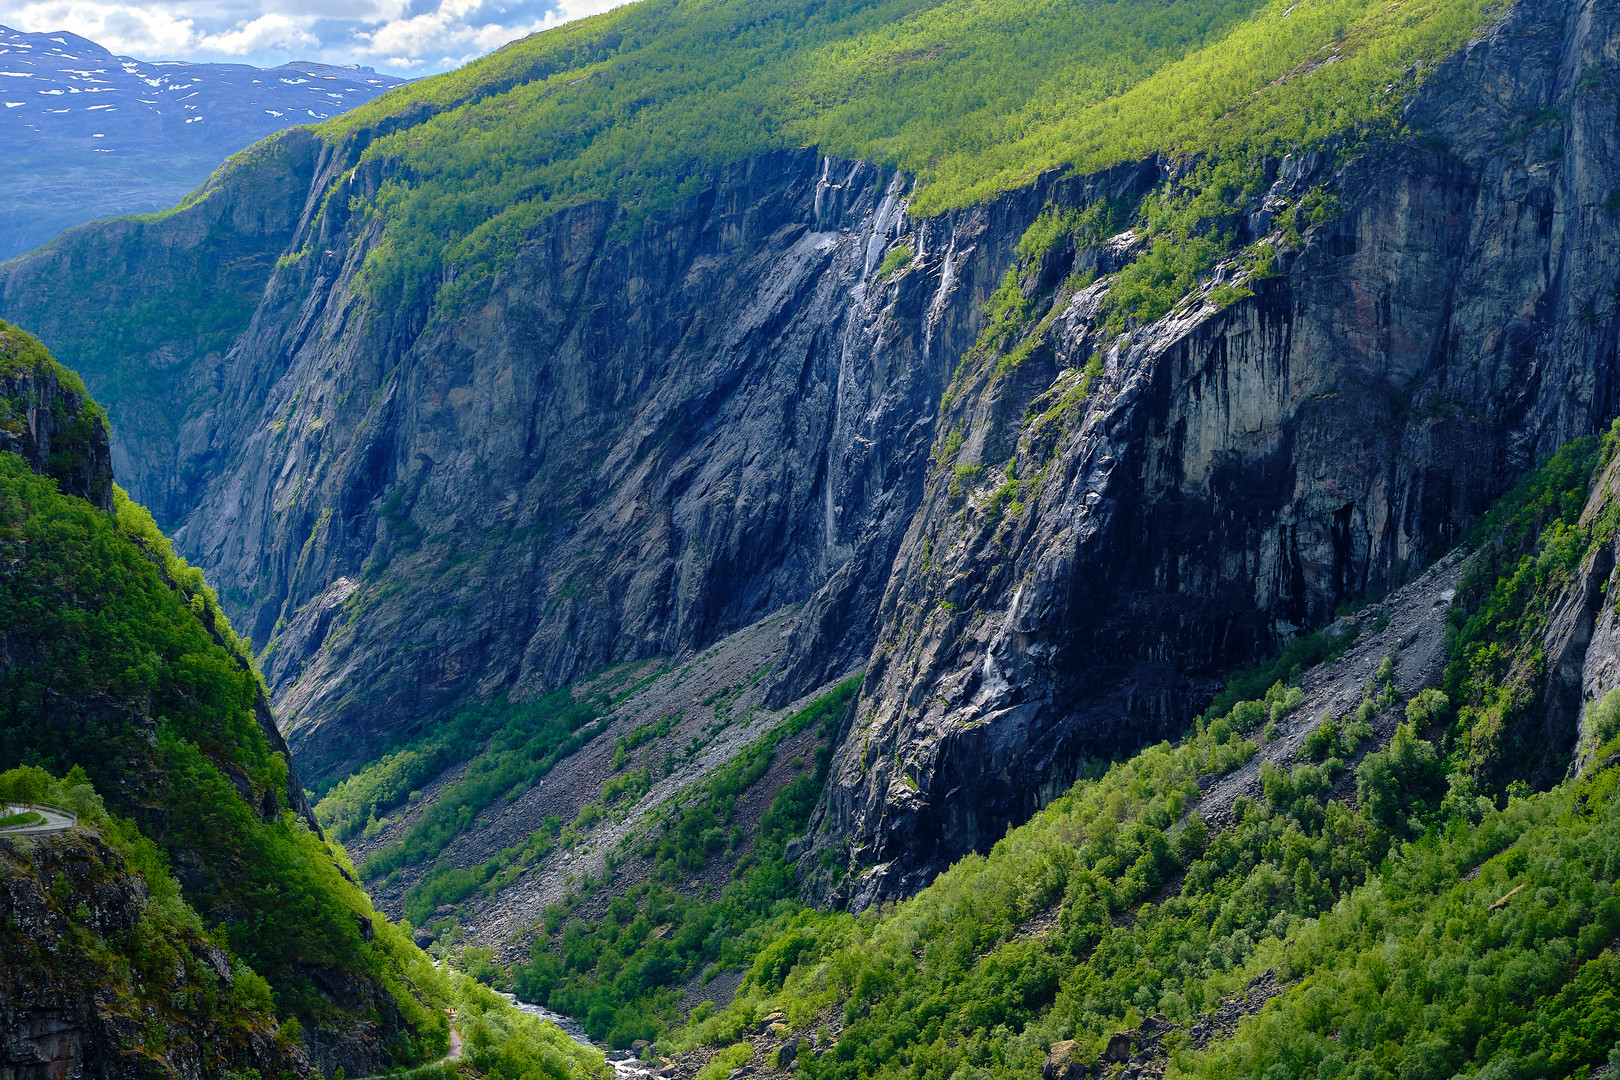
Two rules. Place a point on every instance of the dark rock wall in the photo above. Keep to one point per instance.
(1237, 472)
(629, 445)
(617, 447)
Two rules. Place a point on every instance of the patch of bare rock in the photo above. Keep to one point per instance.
(1141, 1053)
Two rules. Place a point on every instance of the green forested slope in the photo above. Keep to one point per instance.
(1426, 914)
(972, 98)
(120, 675)
(111, 667)
(97, 911)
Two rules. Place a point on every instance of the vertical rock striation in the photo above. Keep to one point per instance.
(1237, 471)
(634, 441)
(621, 445)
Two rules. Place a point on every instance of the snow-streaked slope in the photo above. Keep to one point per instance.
(87, 133)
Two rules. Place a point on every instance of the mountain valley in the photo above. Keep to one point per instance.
(863, 540)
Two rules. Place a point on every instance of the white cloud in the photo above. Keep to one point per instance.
(405, 37)
(264, 34)
(151, 32)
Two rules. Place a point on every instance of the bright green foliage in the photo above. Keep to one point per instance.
(897, 257)
(643, 733)
(1529, 546)
(22, 354)
(1333, 739)
(77, 416)
(1421, 974)
(1407, 771)
(127, 632)
(1305, 651)
(1150, 286)
(1427, 707)
(972, 99)
(1395, 965)
(159, 965)
(950, 982)
(1602, 720)
(119, 672)
(31, 784)
(946, 982)
(506, 1045)
(532, 738)
(501, 1043)
(1013, 327)
(1081, 227)
(617, 976)
(686, 845)
(1554, 492)
(507, 745)
(732, 1057)
(632, 785)
(112, 668)
(354, 803)
(186, 580)
(1188, 226)
(453, 884)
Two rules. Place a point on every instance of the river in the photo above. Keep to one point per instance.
(625, 1065)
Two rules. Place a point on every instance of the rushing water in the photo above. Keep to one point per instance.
(625, 1065)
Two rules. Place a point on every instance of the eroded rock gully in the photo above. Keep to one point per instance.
(630, 445)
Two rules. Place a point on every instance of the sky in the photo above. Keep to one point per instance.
(402, 37)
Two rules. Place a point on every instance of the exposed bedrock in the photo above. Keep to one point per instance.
(633, 441)
(1236, 472)
(619, 446)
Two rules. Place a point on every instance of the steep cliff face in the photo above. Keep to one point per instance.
(48, 420)
(1572, 663)
(638, 436)
(624, 447)
(1096, 543)
(73, 917)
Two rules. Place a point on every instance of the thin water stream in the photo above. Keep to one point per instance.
(625, 1064)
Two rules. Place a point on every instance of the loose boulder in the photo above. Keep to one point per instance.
(1061, 1062)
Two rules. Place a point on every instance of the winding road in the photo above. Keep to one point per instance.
(55, 820)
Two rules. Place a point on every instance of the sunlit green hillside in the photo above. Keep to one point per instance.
(126, 695)
(971, 97)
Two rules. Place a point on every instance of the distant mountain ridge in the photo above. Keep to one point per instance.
(93, 133)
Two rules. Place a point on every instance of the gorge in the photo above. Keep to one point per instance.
(870, 492)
